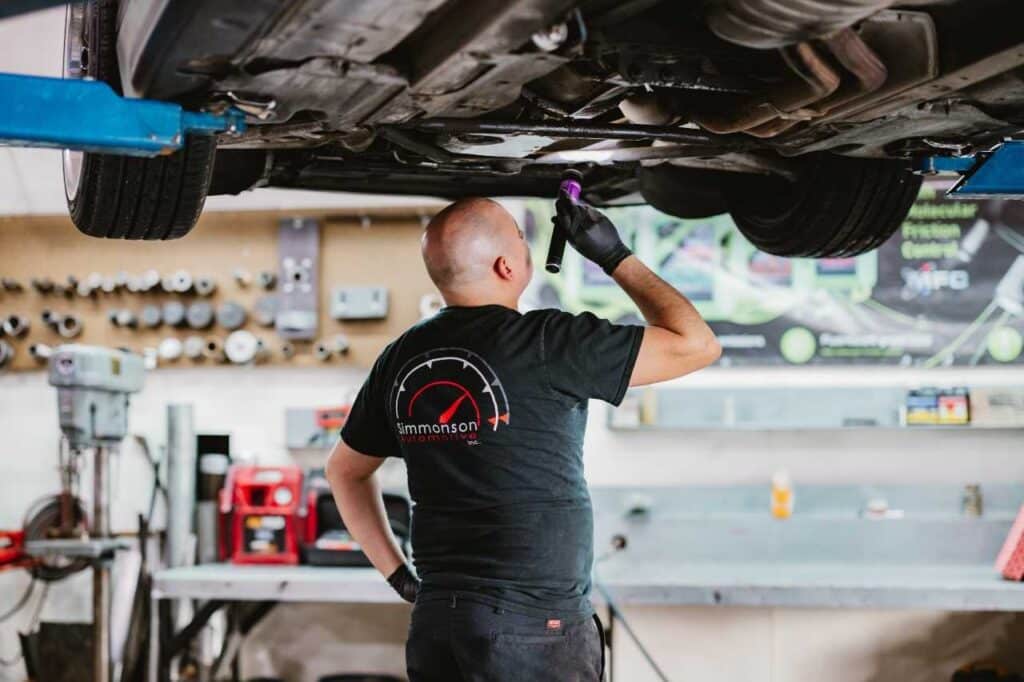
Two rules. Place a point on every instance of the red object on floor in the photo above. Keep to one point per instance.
(12, 545)
(259, 514)
(1011, 559)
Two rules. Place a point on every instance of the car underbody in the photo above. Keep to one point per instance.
(692, 106)
(509, 92)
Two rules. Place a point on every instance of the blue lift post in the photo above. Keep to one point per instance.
(87, 115)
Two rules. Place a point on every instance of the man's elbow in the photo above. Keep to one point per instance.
(333, 467)
(700, 352)
(712, 350)
(336, 468)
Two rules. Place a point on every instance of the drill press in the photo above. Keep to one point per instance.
(93, 387)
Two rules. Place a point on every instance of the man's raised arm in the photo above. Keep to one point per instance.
(677, 341)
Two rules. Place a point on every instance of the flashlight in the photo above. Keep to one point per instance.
(569, 188)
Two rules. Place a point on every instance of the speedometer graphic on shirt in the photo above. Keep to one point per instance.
(448, 395)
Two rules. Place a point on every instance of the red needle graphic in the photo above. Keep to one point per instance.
(447, 415)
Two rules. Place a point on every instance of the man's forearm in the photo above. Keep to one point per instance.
(659, 302)
(362, 509)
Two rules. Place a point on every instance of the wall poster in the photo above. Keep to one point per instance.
(946, 289)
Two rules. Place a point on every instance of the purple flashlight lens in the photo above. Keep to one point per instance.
(571, 188)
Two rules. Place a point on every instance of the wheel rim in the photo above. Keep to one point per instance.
(74, 67)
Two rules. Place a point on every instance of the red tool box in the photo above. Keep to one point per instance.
(258, 507)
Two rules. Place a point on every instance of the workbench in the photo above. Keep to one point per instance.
(216, 586)
(795, 585)
(228, 582)
(813, 585)
(702, 546)
(956, 587)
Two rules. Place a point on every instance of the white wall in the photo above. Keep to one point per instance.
(856, 455)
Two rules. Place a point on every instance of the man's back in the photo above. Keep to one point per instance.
(488, 408)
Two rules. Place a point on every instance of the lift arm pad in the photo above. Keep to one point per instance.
(90, 116)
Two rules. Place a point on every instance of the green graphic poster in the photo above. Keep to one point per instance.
(947, 289)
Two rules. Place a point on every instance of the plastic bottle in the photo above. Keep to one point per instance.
(782, 495)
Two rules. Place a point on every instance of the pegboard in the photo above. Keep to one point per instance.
(374, 247)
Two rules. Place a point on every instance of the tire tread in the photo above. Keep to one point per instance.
(123, 197)
(843, 207)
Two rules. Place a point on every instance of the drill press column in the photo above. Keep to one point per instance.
(93, 385)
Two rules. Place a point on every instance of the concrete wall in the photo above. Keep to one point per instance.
(692, 643)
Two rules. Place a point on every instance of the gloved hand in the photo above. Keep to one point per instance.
(591, 233)
(405, 583)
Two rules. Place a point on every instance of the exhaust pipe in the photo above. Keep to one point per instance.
(768, 24)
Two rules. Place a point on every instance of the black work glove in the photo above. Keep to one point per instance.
(591, 233)
(405, 583)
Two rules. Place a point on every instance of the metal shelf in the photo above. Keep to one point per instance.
(788, 408)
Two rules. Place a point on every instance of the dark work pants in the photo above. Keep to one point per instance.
(455, 639)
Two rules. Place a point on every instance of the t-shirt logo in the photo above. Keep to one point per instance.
(447, 394)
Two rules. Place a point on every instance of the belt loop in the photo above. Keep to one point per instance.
(453, 602)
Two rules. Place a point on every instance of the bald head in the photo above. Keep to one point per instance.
(467, 245)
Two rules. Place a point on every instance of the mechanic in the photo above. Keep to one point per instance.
(488, 408)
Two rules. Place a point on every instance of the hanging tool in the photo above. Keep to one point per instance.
(570, 188)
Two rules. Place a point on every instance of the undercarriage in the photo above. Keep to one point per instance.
(686, 105)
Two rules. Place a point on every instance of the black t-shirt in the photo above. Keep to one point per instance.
(488, 408)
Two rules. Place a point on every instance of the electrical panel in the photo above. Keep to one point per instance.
(359, 303)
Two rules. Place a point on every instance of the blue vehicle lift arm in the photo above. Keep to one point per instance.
(89, 116)
(991, 175)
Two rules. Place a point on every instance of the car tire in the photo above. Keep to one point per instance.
(837, 206)
(126, 197)
(683, 192)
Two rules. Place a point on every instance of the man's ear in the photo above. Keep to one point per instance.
(502, 268)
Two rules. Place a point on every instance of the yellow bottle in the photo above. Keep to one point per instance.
(782, 495)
